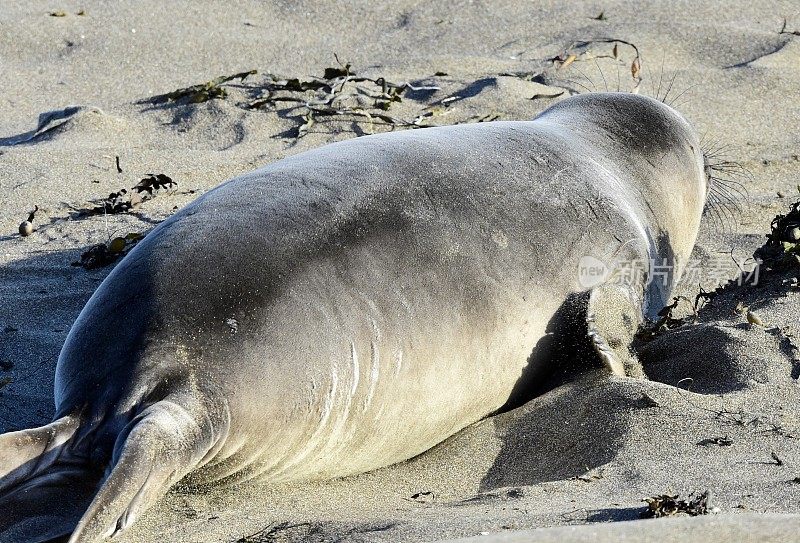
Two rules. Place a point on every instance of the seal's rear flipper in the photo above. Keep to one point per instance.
(27, 453)
(613, 317)
(47, 507)
(44, 486)
(156, 449)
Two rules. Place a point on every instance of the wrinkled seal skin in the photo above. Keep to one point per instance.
(352, 306)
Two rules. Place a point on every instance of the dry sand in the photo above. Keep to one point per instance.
(584, 453)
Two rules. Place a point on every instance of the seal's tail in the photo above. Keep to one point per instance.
(157, 448)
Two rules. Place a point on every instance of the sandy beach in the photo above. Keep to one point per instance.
(86, 111)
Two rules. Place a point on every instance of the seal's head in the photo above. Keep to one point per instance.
(654, 153)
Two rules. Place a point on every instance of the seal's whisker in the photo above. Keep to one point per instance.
(722, 220)
(724, 185)
(724, 149)
(605, 83)
(727, 199)
(705, 139)
(729, 171)
(674, 102)
(713, 147)
(719, 178)
(669, 88)
(720, 212)
(725, 177)
(581, 85)
(649, 75)
(725, 194)
(723, 197)
(733, 185)
(727, 210)
(682, 103)
(660, 76)
(594, 88)
(733, 177)
(733, 169)
(716, 150)
(712, 208)
(727, 165)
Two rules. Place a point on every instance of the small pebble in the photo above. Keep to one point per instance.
(25, 229)
(752, 318)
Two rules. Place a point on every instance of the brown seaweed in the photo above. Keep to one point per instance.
(666, 505)
(203, 92)
(124, 200)
(104, 254)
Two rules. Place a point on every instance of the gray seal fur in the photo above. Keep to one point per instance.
(352, 306)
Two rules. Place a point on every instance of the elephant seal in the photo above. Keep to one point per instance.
(352, 306)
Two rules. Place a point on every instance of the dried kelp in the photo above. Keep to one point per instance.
(580, 51)
(204, 91)
(649, 330)
(780, 252)
(359, 103)
(340, 93)
(782, 248)
(124, 200)
(154, 182)
(721, 441)
(422, 497)
(667, 506)
(103, 254)
(540, 96)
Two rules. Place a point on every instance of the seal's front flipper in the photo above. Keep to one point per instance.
(612, 319)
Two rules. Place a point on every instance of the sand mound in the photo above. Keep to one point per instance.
(714, 358)
(563, 434)
(214, 125)
(84, 126)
